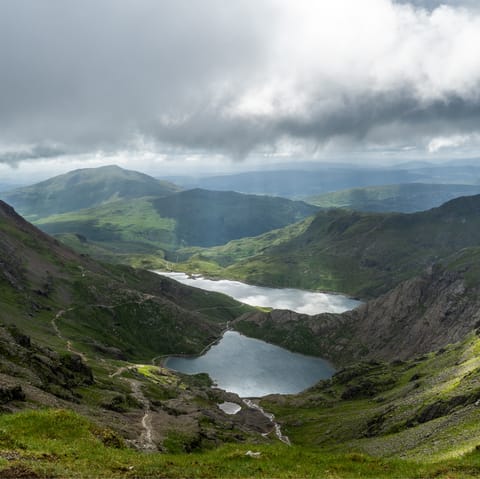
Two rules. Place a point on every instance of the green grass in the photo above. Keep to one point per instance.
(423, 409)
(134, 222)
(62, 444)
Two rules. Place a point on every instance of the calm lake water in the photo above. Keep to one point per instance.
(293, 299)
(254, 368)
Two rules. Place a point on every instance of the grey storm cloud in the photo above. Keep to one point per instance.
(432, 4)
(230, 77)
(32, 153)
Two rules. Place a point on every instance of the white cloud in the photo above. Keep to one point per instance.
(454, 141)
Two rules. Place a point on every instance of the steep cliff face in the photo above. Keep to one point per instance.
(420, 315)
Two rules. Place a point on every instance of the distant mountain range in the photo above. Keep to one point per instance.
(111, 211)
(299, 183)
(8, 186)
(83, 189)
(307, 180)
(403, 198)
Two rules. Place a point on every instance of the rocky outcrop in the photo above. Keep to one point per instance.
(420, 315)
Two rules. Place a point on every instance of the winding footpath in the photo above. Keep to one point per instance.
(145, 441)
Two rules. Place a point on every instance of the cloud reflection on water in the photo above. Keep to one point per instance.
(285, 298)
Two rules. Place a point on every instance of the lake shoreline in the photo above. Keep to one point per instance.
(164, 357)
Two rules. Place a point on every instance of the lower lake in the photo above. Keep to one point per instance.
(251, 367)
(254, 368)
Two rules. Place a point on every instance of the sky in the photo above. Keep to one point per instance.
(184, 86)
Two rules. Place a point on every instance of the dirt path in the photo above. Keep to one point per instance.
(120, 370)
(145, 441)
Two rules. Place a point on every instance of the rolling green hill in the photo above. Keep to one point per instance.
(403, 198)
(189, 218)
(83, 189)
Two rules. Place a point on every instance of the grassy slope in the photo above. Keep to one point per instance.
(120, 226)
(404, 198)
(58, 443)
(62, 444)
(423, 409)
(84, 188)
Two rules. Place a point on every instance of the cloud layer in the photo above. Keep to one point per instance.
(236, 77)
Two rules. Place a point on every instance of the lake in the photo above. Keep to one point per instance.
(278, 298)
(251, 367)
(254, 368)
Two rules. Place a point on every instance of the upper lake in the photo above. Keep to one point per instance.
(254, 368)
(278, 298)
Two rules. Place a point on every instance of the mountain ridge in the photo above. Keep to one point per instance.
(84, 188)
(402, 198)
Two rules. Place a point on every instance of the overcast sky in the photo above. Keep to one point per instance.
(180, 85)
